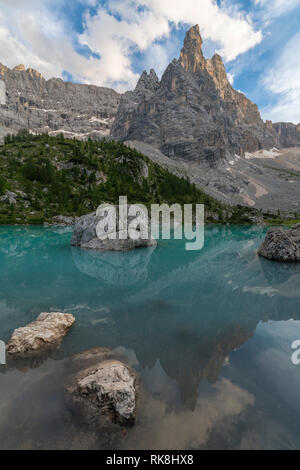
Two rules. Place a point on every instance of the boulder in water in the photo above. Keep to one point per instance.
(85, 236)
(45, 332)
(282, 245)
(109, 388)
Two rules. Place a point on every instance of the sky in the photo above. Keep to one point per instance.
(110, 42)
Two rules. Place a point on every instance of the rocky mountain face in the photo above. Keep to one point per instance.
(288, 133)
(193, 113)
(29, 101)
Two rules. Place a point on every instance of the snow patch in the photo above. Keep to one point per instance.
(101, 121)
(77, 135)
(272, 154)
(44, 110)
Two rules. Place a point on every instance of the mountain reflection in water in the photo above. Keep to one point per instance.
(179, 317)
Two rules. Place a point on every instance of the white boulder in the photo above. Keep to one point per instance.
(46, 331)
(109, 388)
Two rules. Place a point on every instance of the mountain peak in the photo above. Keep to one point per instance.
(191, 57)
(19, 68)
(194, 34)
(153, 76)
(217, 71)
(148, 81)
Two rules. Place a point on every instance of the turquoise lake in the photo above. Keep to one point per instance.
(208, 332)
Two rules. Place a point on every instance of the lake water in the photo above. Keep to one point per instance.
(208, 332)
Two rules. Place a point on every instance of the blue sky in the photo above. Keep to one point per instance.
(110, 42)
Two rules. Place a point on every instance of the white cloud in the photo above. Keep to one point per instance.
(229, 27)
(167, 429)
(157, 56)
(231, 77)
(31, 32)
(284, 80)
(276, 7)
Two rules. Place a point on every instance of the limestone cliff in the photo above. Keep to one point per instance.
(193, 112)
(288, 133)
(55, 106)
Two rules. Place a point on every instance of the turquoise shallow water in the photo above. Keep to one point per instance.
(209, 332)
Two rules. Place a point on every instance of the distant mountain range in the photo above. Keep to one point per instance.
(192, 113)
(55, 106)
(189, 120)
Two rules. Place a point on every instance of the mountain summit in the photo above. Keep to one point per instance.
(193, 113)
(191, 57)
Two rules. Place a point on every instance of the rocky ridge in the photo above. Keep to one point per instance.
(192, 113)
(288, 134)
(54, 106)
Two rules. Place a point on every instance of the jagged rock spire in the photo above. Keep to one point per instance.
(148, 81)
(217, 71)
(191, 57)
(192, 60)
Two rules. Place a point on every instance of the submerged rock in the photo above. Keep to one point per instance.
(63, 220)
(85, 236)
(282, 245)
(107, 389)
(46, 331)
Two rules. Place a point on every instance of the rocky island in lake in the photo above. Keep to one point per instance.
(282, 245)
(85, 233)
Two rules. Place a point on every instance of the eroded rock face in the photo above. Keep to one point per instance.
(110, 388)
(282, 245)
(288, 133)
(85, 236)
(193, 113)
(45, 332)
(55, 106)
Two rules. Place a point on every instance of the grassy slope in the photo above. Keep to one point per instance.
(69, 177)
